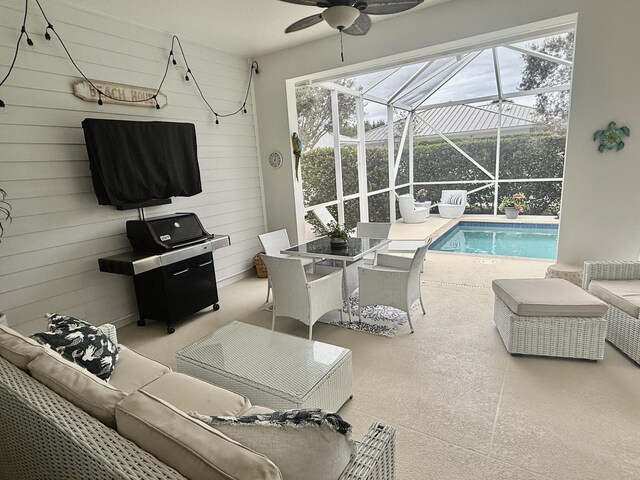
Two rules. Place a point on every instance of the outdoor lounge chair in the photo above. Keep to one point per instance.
(618, 285)
(324, 216)
(409, 212)
(452, 203)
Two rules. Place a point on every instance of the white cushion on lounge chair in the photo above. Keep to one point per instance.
(624, 294)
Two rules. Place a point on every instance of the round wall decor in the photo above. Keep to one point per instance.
(275, 159)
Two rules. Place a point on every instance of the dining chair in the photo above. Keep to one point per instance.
(393, 281)
(297, 294)
(272, 244)
(373, 230)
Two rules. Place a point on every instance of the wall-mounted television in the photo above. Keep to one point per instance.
(140, 164)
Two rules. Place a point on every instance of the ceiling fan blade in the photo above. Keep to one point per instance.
(310, 3)
(385, 7)
(304, 23)
(319, 3)
(360, 27)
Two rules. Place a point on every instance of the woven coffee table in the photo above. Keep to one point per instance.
(272, 369)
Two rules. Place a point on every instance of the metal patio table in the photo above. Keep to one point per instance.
(355, 249)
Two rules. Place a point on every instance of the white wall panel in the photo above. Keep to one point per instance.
(48, 256)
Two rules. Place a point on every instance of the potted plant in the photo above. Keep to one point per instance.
(421, 195)
(513, 205)
(5, 216)
(338, 234)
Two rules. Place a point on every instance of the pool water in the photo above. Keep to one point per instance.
(531, 240)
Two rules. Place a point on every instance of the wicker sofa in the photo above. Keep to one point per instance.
(618, 284)
(43, 435)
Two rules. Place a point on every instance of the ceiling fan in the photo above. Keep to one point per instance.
(349, 16)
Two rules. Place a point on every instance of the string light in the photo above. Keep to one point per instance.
(3, 106)
(171, 59)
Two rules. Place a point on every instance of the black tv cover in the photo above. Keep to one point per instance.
(133, 163)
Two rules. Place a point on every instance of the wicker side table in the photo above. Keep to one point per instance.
(567, 272)
(270, 368)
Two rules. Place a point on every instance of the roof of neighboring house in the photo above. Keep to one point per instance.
(461, 119)
(326, 140)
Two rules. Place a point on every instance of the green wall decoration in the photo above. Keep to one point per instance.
(611, 137)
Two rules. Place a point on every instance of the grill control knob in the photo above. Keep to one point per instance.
(176, 224)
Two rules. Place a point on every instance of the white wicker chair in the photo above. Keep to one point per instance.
(452, 203)
(272, 244)
(394, 281)
(623, 330)
(409, 212)
(299, 297)
(373, 230)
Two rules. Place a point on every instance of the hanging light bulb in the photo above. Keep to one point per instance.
(100, 103)
(32, 45)
(217, 121)
(174, 61)
(3, 107)
(157, 104)
(47, 35)
(186, 77)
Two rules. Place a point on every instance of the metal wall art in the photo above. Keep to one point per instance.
(611, 137)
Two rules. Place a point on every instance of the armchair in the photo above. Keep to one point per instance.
(297, 296)
(409, 212)
(452, 203)
(618, 284)
(394, 281)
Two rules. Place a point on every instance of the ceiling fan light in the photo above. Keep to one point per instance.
(340, 16)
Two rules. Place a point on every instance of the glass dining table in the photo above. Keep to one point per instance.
(354, 250)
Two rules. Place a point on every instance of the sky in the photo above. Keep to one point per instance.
(477, 79)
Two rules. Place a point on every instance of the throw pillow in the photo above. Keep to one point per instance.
(81, 343)
(287, 437)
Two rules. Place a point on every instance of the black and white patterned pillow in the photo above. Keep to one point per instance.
(294, 418)
(81, 343)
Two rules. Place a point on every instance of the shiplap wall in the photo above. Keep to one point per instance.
(49, 254)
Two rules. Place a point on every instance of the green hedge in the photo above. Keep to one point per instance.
(539, 155)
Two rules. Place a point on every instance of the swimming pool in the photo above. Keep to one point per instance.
(531, 240)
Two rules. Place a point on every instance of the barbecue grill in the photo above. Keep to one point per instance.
(171, 265)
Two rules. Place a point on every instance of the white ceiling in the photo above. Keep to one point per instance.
(243, 27)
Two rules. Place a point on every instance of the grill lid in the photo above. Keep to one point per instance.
(164, 233)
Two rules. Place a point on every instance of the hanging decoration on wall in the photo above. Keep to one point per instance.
(118, 93)
(104, 94)
(611, 137)
(297, 150)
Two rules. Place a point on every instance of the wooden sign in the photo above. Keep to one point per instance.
(123, 94)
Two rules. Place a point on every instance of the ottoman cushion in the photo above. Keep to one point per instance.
(547, 297)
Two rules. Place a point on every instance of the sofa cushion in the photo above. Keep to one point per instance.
(79, 386)
(189, 393)
(312, 444)
(18, 349)
(134, 370)
(623, 294)
(80, 342)
(189, 446)
(547, 297)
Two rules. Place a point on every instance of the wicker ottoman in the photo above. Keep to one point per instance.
(549, 317)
